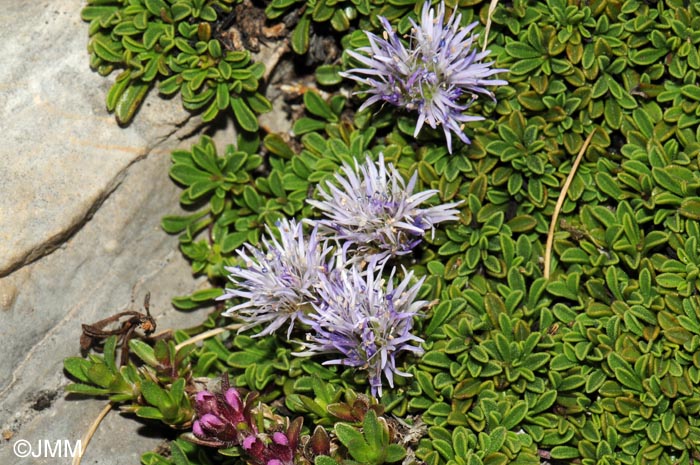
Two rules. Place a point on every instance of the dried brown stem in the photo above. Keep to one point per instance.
(560, 203)
(492, 7)
(90, 433)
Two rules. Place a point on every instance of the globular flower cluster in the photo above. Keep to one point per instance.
(223, 419)
(438, 75)
(278, 283)
(331, 281)
(374, 213)
(365, 325)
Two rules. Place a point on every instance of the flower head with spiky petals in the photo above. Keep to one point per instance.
(364, 323)
(278, 284)
(374, 213)
(438, 75)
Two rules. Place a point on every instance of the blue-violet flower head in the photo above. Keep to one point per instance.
(438, 75)
(279, 281)
(364, 323)
(375, 214)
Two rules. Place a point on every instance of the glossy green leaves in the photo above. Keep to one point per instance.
(170, 44)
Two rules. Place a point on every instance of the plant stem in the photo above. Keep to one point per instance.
(560, 203)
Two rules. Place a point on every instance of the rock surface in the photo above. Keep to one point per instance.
(66, 154)
(80, 205)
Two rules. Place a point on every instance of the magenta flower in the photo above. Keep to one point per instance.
(438, 75)
(221, 419)
(277, 448)
(225, 420)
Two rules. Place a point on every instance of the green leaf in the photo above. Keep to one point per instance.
(327, 75)
(522, 51)
(340, 20)
(647, 56)
(691, 91)
(436, 359)
(373, 432)
(300, 35)
(323, 11)
(77, 367)
(497, 438)
(324, 460)
(624, 372)
(222, 96)
(99, 374)
(110, 350)
(253, 199)
(233, 241)
(151, 413)
(258, 103)
(277, 145)
(522, 223)
(107, 49)
(690, 208)
(317, 106)
(545, 401)
(245, 117)
(574, 255)
(206, 295)
(246, 358)
(155, 7)
(594, 380)
(564, 452)
(513, 417)
(178, 454)
(394, 453)
(93, 11)
(443, 313)
(607, 184)
(444, 447)
(77, 388)
(116, 91)
(188, 174)
(525, 66)
(170, 85)
(355, 443)
(177, 224)
(305, 125)
(180, 11)
(130, 101)
(155, 395)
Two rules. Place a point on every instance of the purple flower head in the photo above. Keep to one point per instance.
(277, 448)
(375, 213)
(249, 442)
(221, 418)
(365, 324)
(438, 75)
(278, 283)
(280, 438)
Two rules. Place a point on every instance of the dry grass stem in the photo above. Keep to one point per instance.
(206, 335)
(560, 202)
(492, 7)
(90, 433)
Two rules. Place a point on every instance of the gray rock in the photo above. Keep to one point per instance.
(80, 206)
(66, 153)
(121, 252)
